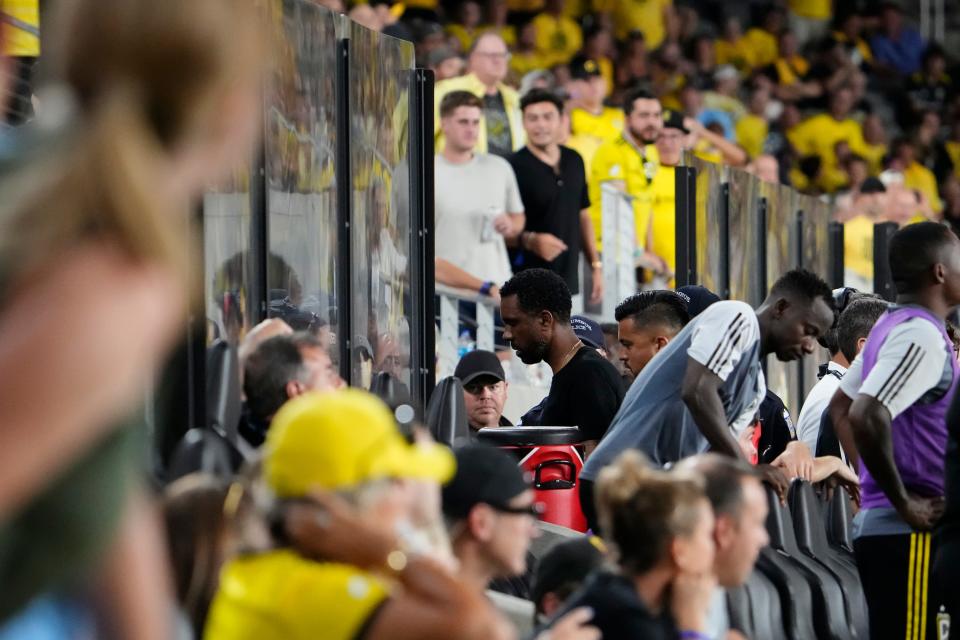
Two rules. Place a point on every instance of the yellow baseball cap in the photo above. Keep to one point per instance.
(339, 439)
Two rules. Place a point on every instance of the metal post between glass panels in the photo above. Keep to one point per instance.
(882, 279)
(344, 195)
(835, 250)
(686, 226)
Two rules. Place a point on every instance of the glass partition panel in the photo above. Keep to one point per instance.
(746, 272)
(379, 75)
(300, 176)
(817, 216)
(226, 238)
(782, 234)
(710, 205)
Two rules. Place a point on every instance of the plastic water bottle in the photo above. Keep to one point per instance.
(465, 344)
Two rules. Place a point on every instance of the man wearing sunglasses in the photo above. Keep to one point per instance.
(484, 389)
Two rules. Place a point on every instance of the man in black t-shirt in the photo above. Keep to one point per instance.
(586, 390)
(553, 187)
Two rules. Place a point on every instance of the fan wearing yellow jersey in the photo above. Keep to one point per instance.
(629, 162)
(589, 116)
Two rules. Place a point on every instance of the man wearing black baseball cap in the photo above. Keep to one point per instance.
(484, 389)
(588, 90)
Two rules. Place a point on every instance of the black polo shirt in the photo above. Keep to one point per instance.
(552, 200)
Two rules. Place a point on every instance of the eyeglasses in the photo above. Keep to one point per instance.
(534, 510)
(495, 55)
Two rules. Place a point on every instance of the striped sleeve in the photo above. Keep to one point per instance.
(722, 334)
(909, 364)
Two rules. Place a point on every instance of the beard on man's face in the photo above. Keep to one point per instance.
(534, 354)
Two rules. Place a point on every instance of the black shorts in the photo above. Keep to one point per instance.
(895, 572)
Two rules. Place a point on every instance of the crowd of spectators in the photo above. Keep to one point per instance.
(846, 102)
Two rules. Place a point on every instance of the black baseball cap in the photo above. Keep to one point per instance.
(583, 68)
(478, 364)
(485, 475)
(673, 120)
(567, 563)
(589, 331)
(698, 298)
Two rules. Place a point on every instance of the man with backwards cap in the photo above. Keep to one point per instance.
(484, 389)
(346, 446)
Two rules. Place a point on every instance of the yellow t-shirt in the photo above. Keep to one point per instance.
(739, 53)
(874, 155)
(953, 150)
(586, 146)
(751, 133)
(523, 63)
(281, 596)
(22, 39)
(820, 134)
(918, 177)
(463, 35)
(605, 126)
(858, 248)
(641, 15)
(813, 9)
(764, 46)
(792, 70)
(663, 223)
(525, 6)
(558, 37)
(620, 160)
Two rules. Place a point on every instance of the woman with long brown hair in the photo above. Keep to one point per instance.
(144, 104)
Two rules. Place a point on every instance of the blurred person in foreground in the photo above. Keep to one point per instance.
(562, 571)
(586, 390)
(740, 529)
(889, 415)
(484, 389)
(704, 389)
(659, 527)
(491, 516)
(100, 231)
(347, 561)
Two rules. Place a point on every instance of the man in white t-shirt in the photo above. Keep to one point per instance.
(478, 206)
(851, 333)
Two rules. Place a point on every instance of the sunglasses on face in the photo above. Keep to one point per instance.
(534, 510)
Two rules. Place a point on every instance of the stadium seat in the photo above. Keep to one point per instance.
(839, 516)
(446, 415)
(829, 611)
(812, 540)
(388, 388)
(224, 402)
(754, 608)
(796, 599)
(203, 451)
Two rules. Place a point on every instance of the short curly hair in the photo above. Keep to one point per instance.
(805, 284)
(540, 290)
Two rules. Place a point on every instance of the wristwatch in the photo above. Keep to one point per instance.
(485, 288)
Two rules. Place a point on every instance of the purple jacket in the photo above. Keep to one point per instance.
(919, 433)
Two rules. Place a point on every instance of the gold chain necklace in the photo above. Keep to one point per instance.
(570, 354)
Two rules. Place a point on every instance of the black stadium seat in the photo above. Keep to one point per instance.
(796, 599)
(839, 513)
(446, 414)
(224, 396)
(829, 611)
(812, 540)
(203, 451)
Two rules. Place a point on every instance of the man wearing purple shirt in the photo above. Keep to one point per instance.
(896, 46)
(889, 415)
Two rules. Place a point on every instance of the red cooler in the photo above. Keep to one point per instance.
(551, 457)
